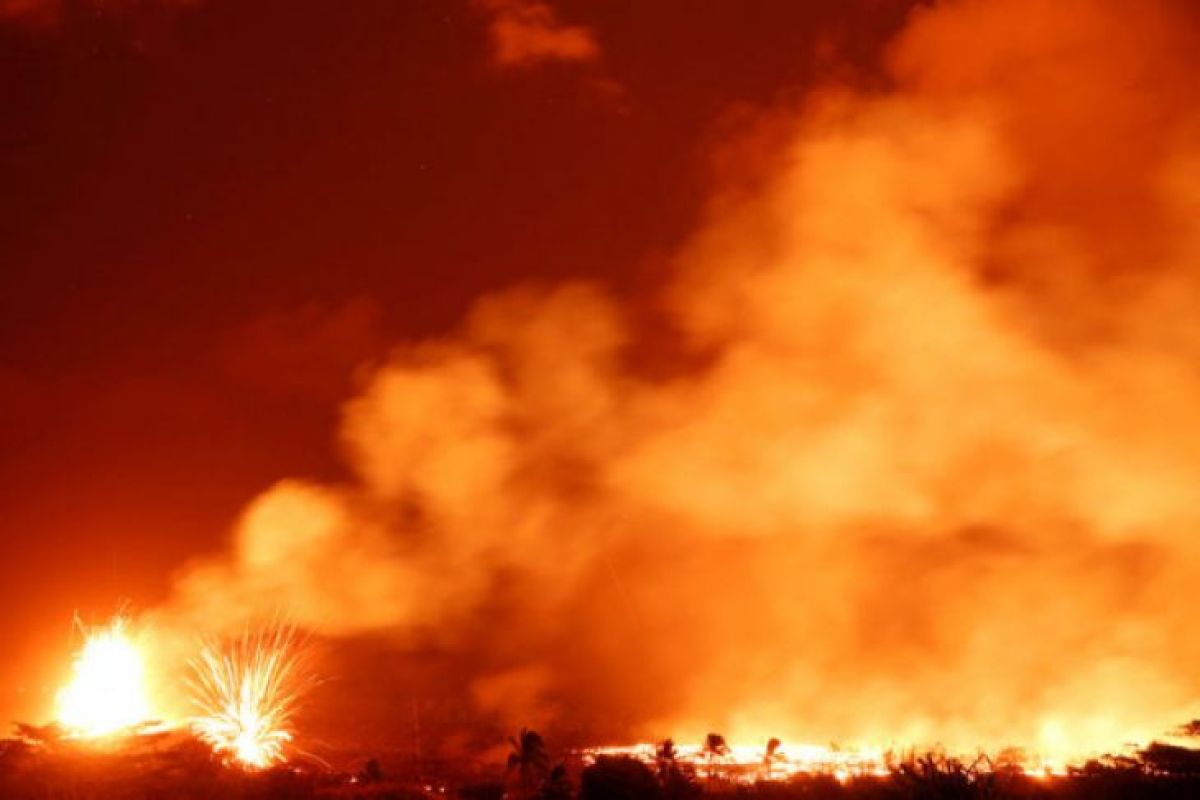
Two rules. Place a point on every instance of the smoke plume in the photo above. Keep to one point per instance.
(923, 463)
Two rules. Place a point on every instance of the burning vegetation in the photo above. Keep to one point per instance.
(48, 763)
(246, 690)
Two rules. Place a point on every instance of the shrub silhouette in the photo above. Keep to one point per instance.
(618, 778)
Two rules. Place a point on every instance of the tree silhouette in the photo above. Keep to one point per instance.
(1166, 759)
(676, 779)
(715, 749)
(772, 756)
(528, 760)
(665, 758)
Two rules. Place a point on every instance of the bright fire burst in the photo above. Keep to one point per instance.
(245, 692)
(107, 692)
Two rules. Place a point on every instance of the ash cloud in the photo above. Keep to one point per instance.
(931, 470)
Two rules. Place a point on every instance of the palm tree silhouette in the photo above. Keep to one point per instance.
(665, 757)
(714, 748)
(529, 760)
(771, 756)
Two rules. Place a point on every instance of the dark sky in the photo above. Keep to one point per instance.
(213, 212)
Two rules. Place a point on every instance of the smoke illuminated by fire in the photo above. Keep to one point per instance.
(107, 690)
(246, 692)
(921, 467)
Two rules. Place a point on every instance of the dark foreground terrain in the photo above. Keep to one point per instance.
(36, 764)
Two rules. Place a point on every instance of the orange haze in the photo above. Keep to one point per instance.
(924, 465)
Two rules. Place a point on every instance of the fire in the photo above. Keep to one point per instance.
(246, 693)
(905, 448)
(107, 691)
(748, 763)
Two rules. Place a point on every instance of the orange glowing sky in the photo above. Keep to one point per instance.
(498, 339)
(213, 212)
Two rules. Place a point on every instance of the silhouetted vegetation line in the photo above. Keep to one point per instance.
(40, 763)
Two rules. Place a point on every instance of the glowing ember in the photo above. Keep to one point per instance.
(246, 692)
(107, 691)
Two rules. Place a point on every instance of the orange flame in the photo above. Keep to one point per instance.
(748, 763)
(107, 692)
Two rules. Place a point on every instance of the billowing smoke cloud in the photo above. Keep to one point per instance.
(924, 465)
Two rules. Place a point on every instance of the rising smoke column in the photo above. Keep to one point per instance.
(925, 467)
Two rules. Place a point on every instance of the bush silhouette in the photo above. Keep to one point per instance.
(618, 778)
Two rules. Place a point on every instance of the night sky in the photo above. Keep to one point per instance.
(216, 212)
